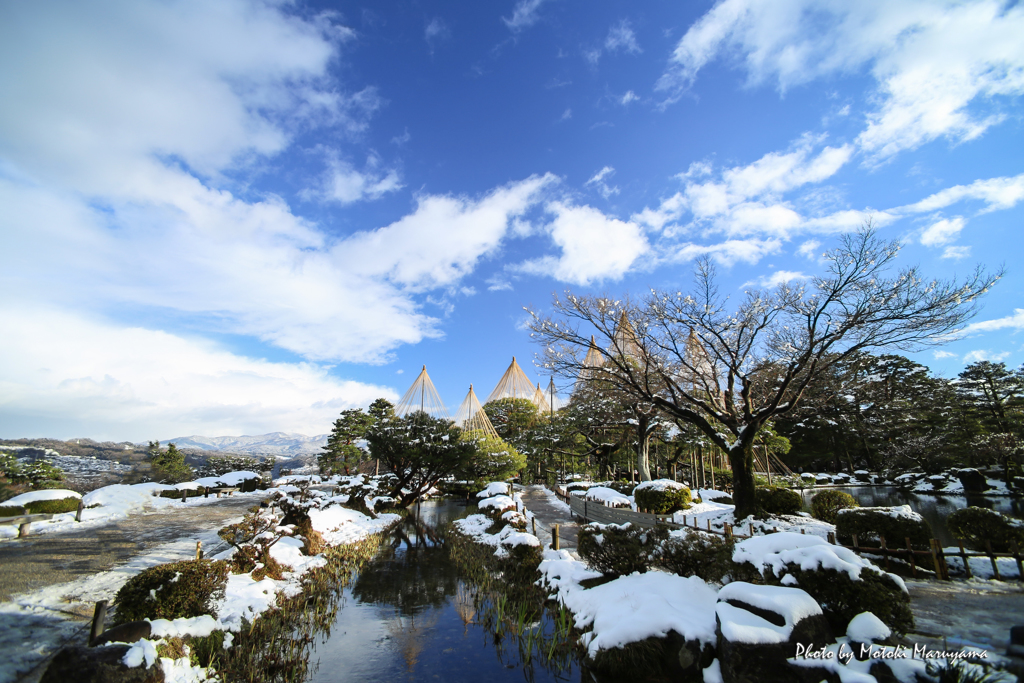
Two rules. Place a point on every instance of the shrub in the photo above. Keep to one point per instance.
(776, 500)
(975, 525)
(619, 549)
(53, 506)
(895, 524)
(827, 504)
(661, 499)
(842, 598)
(312, 541)
(519, 566)
(11, 510)
(696, 554)
(170, 591)
(723, 479)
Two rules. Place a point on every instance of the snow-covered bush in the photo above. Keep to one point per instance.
(661, 496)
(607, 496)
(894, 523)
(619, 549)
(692, 553)
(252, 539)
(976, 525)
(189, 588)
(53, 506)
(776, 500)
(827, 504)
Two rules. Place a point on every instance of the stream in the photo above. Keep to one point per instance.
(411, 616)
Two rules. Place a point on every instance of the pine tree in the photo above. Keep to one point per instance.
(341, 452)
(169, 466)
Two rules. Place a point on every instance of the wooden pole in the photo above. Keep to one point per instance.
(554, 537)
(199, 550)
(913, 558)
(81, 507)
(992, 558)
(967, 564)
(99, 618)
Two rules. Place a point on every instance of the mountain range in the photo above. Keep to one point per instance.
(275, 443)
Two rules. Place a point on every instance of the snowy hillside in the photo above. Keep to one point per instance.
(275, 443)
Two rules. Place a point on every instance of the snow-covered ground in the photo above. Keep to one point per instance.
(37, 623)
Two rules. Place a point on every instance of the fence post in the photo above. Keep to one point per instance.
(554, 537)
(99, 618)
(81, 506)
(728, 530)
(992, 558)
(23, 529)
(913, 557)
(709, 524)
(206, 492)
(199, 550)
(534, 520)
(832, 537)
(1017, 558)
(938, 559)
(885, 551)
(856, 544)
(751, 530)
(184, 495)
(967, 564)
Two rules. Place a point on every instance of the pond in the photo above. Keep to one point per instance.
(410, 615)
(935, 509)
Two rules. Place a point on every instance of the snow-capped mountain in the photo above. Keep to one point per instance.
(275, 443)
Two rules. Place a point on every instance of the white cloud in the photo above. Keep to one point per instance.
(810, 249)
(956, 253)
(524, 14)
(436, 31)
(776, 279)
(982, 354)
(124, 382)
(344, 184)
(728, 252)
(942, 232)
(939, 355)
(931, 61)
(594, 247)
(566, 115)
(1014, 321)
(630, 96)
(997, 193)
(598, 182)
(621, 37)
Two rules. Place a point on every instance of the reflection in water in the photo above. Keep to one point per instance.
(411, 616)
(935, 509)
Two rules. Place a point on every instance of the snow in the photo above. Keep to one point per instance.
(229, 479)
(499, 502)
(867, 628)
(142, 651)
(193, 626)
(475, 526)
(807, 552)
(896, 511)
(495, 488)
(46, 494)
(792, 604)
(713, 674)
(658, 485)
(608, 496)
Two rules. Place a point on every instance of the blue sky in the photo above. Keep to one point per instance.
(226, 217)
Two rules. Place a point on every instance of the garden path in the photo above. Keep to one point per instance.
(549, 510)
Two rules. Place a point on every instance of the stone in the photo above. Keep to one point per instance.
(97, 665)
(973, 480)
(129, 632)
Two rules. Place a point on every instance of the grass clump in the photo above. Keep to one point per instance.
(619, 549)
(827, 504)
(189, 588)
(974, 526)
(777, 500)
(662, 497)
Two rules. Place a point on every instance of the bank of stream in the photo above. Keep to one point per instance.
(415, 614)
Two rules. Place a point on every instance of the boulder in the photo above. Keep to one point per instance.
(97, 665)
(973, 480)
(759, 628)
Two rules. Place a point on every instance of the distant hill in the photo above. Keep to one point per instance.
(275, 443)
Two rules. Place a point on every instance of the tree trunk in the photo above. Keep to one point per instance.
(742, 460)
(643, 441)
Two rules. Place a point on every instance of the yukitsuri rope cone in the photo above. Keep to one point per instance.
(422, 396)
(591, 363)
(471, 416)
(513, 384)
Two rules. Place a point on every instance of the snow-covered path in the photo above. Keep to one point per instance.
(550, 510)
(49, 584)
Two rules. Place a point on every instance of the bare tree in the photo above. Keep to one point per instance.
(730, 371)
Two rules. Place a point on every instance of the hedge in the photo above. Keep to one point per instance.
(827, 504)
(777, 500)
(619, 549)
(661, 501)
(976, 525)
(189, 588)
(871, 523)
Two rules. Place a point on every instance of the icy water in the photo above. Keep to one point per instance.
(934, 509)
(410, 616)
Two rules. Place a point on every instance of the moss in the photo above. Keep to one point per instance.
(842, 598)
(827, 504)
(871, 524)
(777, 500)
(39, 507)
(170, 591)
(619, 549)
(976, 525)
(702, 555)
(662, 502)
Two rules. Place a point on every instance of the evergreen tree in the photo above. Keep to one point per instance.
(169, 466)
(994, 396)
(341, 454)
